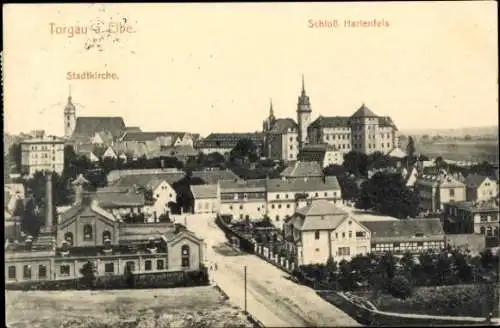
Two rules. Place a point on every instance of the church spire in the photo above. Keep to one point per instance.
(271, 110)
(303, 85)
(69, 95)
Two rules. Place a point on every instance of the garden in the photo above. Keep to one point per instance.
(450, 282)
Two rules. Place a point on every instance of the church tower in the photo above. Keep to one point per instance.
(269, 122)
(303, 115)
(69, 118)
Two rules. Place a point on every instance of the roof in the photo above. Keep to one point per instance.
(303, 185)
(282, 125)
(80, 179)
(485, 206)
(405, 228)
(175, 151)
(204, 191)
(363, 111)
(117, 199)
(315, 152)
(330, 121)
(474, 180)
(229, 140)
(239, 185)
(397, 152)
(132, 129)
(303, 169)
(319, 215)
(106, 137)
(143, 136)
(86, 127)
(386, 121)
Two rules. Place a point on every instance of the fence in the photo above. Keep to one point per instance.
(243, 243)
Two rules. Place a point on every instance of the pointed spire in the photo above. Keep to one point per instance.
(303, 85)
(271, 110)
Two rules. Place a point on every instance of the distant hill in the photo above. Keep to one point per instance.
(483, 131)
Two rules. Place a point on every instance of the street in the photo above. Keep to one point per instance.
(271, 298)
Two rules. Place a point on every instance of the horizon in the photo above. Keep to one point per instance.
(213, 68)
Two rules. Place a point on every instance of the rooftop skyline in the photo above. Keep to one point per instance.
(214, 67)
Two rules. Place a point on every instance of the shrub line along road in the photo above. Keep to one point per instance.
(271, 298)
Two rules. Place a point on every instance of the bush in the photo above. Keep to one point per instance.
(400, 287)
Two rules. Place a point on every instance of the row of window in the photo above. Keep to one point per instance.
(359, 234)
(87, 235)
(490, 232)
(65, 269)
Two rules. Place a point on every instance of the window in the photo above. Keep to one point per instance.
(241, 216)
(419, 234)
(344, 251)
(343, 234)
(350, 234)
(147, 265)
(64, 270)
(42, 271)
(316, 195)
(272, 206)
(286, 195)
(241, 207)
(160, 265)
(106, 235)
(316, 234)
(109, 268)
(12, 272)
(230, 207)
(27, 272)
(87, 232)
(277, 217)
(360, 234)
(279, 205)
(489, 231)
(278, 196)
(185, 256)
(452, 192)
(287, 205)
(130, 265)
(326, 194)
(68, 236)
(336, 235)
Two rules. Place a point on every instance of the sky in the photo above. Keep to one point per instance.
(207, 68)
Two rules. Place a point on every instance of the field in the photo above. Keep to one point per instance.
(477, 151)
(161, 308)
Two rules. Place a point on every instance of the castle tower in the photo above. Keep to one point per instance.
(365, 130)
(69, 118)
(303, 115)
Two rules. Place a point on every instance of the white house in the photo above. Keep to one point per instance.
(206, 198)
(322, 230)
(163, 194)
(480, 188)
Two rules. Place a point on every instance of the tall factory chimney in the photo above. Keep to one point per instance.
(49, 209)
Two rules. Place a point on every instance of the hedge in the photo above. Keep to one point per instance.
(139, 281)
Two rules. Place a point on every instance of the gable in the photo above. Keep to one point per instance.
(73, 214)
(182, 236)
(354, 226)
(97, 138)
(109, 153)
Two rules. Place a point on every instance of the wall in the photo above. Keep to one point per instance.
(98, 227)
(475, 242)
(444, 195)
(357, 245)
(175, 254)
(255, 209)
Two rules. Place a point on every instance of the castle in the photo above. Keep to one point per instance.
(363, 131)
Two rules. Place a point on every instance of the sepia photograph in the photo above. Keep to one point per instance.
(285, 164)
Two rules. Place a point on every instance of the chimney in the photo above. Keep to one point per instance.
(48, 201)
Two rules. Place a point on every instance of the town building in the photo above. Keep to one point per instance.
(321, 230)
(438, 189)
(88, 233)
(303, 115)
(285, 196)
(14, 201)
(206, 198)
(472, 217)
(301, 170)
(363, 132)
(480, 188)
(223, 143)
(401, 236)
(324, 154)
(281, 138)
(45, 153)
(243, 199)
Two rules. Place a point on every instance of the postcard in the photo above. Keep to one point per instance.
(251, 164)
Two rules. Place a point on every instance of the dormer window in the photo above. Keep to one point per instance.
(419, 234)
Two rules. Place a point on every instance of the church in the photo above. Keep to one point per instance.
(363, 131)
(81, 130)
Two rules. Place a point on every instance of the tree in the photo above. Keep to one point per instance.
(410, 148)
(400, 287)
(387, 194)
(356, 163)
(88, 273)
(244, 150)
(14, 155)
(440, 163)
